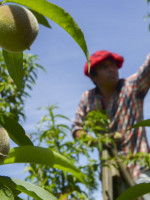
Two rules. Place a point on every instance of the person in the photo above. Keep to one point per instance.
(122, 99)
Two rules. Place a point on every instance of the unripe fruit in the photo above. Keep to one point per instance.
(18, 28)
(4, 144)
(117, 135)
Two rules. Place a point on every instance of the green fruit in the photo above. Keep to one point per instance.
(18, 28)
(4, 144)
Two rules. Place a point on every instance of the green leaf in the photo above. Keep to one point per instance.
(15, 192)
(134, 192)
(14, 63)
(5, 193)
(39, 155)
(15, 130)
(59, 16)
(62, 116)
(141, 124)
(41, 19)
(2, 85)
(23, 186)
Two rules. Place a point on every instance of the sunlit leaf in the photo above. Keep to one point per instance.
(14, 63)
(5, 193)
(39, 155)
(134, 192)
(2, 85)
(59, 16)
(41, 19)
(15, 130)
(23, 186)
(141, 124)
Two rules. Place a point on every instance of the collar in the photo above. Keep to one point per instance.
(118, 88)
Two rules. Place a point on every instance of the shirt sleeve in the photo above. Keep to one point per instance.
(80, 114)
(141, 79)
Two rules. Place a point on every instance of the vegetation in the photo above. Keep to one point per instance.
(54, 136)
(12, 100)
(53, 167)
(97, 123)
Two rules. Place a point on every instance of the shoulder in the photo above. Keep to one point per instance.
(88, 93)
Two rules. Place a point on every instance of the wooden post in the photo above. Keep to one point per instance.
(106, 178)
(125, 174)
(107, 175)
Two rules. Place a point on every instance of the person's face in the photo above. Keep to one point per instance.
(106, 73)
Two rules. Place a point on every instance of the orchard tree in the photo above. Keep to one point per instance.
(12, 100)
(18, 30)
(26, 152)
(56, 136)
(97, 124)
(18, 33)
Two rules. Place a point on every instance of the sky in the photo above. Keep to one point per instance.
(118, 26)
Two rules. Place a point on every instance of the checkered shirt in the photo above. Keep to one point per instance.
(124, 110)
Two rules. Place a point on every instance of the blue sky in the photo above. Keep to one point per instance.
(118, 26)
(111, 25)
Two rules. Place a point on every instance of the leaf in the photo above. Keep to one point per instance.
(23, 186)
(5, 193)
(62, 116)
(141, 124)
(15, 192)
(135, 191)
(15, 130)
(59, 16)
(39, 155)
(14, 63)
(41, 19)
(2, 85)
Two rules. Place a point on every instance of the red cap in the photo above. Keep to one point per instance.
(99, 57)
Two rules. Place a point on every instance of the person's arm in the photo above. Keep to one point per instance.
(141, 79)
(79, 133)
(77, 126)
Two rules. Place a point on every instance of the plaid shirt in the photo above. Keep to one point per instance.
(124, 110)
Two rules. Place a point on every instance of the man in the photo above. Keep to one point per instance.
(122, 99)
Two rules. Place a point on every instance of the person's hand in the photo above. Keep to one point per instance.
(80, 133)
(83, 134)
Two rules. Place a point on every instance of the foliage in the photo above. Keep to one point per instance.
(11, 99)
(15, 186)
(43, 9)
(28, 153)
(12, 109)
(134, 192)
(44, 156)
(52, 133)
(97, 122)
